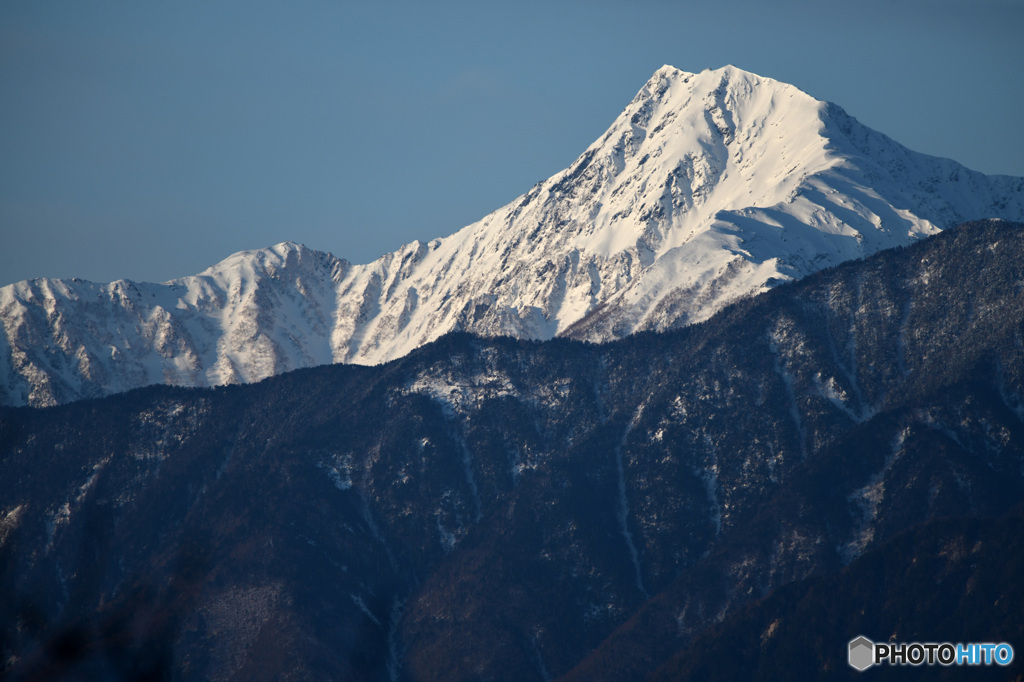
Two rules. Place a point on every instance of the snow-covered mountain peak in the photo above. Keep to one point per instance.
(687, 146)
(673, 89)
(271, 261)
(707, 187)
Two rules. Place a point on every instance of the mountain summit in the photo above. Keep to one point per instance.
(707, 188)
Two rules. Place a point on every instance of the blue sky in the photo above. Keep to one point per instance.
(149, 140)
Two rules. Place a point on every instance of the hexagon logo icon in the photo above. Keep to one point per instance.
(862, 653)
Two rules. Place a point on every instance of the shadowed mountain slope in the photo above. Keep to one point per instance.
(505, 509)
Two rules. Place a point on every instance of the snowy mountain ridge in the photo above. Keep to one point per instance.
(707, 188)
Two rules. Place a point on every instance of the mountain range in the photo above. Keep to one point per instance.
(706, 189)
(737, 498)
(737, 386)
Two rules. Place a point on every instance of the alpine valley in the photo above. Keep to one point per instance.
(707, 188)
(743, 383)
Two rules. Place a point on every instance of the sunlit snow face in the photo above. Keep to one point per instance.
(707, 188)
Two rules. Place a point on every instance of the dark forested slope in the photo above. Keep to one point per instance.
(497, 509)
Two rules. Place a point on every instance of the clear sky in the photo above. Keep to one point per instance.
(149, 140)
